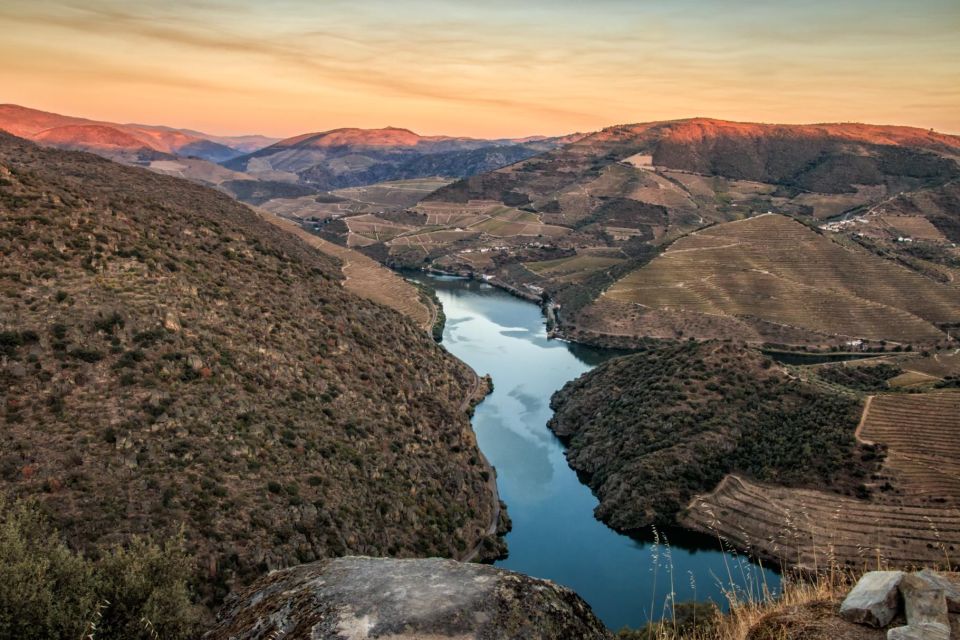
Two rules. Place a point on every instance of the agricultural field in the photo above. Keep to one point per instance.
(828, 205)
(911, 515)
(310, 208)
(574, 268)
(367, 277)
(397, 194)
(376, 229)
(197, 170)
(776, 269)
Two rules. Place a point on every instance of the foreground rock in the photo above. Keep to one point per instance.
(874, 600)
(950, 590)
(355, 598)
(925, 604)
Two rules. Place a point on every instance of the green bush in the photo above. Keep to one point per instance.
(49, 591)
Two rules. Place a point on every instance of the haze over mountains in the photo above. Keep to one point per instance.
(128, 140)
(578, 216)
(258, 168)
(354, 157)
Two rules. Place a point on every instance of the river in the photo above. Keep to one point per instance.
(555, 535)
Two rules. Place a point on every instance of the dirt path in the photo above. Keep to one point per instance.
(863, 421)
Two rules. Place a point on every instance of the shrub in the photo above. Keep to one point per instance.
(49, 591)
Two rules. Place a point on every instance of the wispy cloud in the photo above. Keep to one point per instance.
(501, 66)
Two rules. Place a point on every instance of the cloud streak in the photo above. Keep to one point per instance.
(501, 68)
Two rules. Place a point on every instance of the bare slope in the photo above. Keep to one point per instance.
(171, 358)
(773, 268)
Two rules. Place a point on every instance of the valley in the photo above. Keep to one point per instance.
(298, 338)
(554, 532)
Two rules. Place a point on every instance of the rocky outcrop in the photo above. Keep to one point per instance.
(874, 600)
(357, 597)
(925, 606)
(926, 597)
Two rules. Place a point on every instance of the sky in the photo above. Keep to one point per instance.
(497, 68)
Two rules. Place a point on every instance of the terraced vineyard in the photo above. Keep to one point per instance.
(922, 432)
(912, 516)
(576, 268)
(773, 268)
(395, 193)
(809, 529)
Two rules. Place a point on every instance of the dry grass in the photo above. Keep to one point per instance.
(367, 277)
(803, 606)
(774, 268)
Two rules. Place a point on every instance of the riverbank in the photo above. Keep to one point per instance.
(555, 533)
(491, 547)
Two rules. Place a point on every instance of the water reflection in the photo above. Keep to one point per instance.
(555, 534)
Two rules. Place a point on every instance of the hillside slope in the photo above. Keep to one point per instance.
(775, 270)
(169, 357)
(70, 132)
(651, 430)
(351, 157)
(604, 205)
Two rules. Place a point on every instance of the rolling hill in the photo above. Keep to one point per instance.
(352, 157)
(798, 465)
(169, 357)
(766, 272)
(126, 140)
(601, 207)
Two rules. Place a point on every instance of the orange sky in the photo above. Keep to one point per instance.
(490, 69)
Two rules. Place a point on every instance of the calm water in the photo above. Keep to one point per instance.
(555, 534)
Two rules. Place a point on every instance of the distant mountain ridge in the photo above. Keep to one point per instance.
(349, 157)
(69, 132)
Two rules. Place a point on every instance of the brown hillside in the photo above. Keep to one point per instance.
(780, 271)
(90, 136)
(911, 518)
(652, 429)
(168, 358)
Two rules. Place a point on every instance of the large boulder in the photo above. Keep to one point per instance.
(874, 600)
(925, 605)
(355, 598)
(950, 590)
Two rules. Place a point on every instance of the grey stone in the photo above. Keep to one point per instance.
(950, 590)
(874, 600)
(358, 598)
(926, 631)
(924, 602)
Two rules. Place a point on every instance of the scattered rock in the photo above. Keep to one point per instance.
(874, 600)
(924, 601)
(360, 598)
(926, 631)
(194, 362)
(950, 590)
(171, 322)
